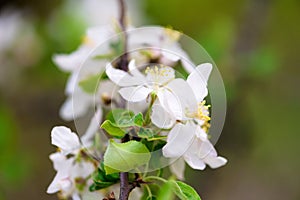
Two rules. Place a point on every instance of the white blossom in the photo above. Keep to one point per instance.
(68, 171)
(65, 139)
(188, 138)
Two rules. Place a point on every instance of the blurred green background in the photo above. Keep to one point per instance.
(255, 44)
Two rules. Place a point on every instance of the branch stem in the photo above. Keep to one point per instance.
(122, 20)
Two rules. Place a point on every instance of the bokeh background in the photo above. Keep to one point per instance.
(255, 44)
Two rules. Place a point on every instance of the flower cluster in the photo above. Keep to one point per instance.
(149, 107)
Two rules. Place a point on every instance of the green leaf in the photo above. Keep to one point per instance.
(112, 129)
(90, 84)
(184, 191)
(166, 192)
(125, 118)
(149, 134)
(123, 157)
(138, 119)
(117, 47)
(120, 117)
(99, 186)
(102, 180)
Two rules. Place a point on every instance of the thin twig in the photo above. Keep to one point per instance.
(124, 182)
(122, 20)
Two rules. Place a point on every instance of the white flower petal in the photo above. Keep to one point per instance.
(187, 64)
(59, 160)
(121, 77)
(206, 149)
(82, 170)
(170, 55)
(215, 162)
(65, 139)
(161, 118)
(76, 105)
(54, 186)
(62, 166)
(179, 140)
(205, 70)
(178, 98)
(192, 158)
(134, 70)
(75, 196)
(135, 94)
(198, 80)
(72, 83)
(178, 167)
(87, 138)
(208, 154)
(70, 62)
(194, 162)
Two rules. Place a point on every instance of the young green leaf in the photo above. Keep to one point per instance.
(102, 180)
(149, 134)
(138, 119)
(112, 129)
(120, 117)
(125, 118)
(166, 192)
(123, 157)
(184, 191)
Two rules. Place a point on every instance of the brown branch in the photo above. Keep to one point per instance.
(123, 64)
(124, 182)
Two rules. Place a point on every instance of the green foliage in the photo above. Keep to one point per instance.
(112, 129)
(180, 72)
(119, 120)
(184, 191)
(103, 180)
(149, 134)
(117, 47)
(166, 191)
(120, 117)
(138, 119)
(150, 192)
(124, 157)
(171, 188)
(90, 85)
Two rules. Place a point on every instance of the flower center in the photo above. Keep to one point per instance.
(158, 71)
(158, 76)
(202, 114)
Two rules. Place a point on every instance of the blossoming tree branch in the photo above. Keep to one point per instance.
(150, 116)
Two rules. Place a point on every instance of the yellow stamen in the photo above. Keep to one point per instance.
(172, 34)
(202, 114)
(158, 71)
(87, 41)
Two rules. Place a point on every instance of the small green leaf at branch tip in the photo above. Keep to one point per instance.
(120, 117)
(90, 85)
(125, 157)
(149, 134)
(184, 191)
(112, 129)
(138, 119)
(125, 118)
